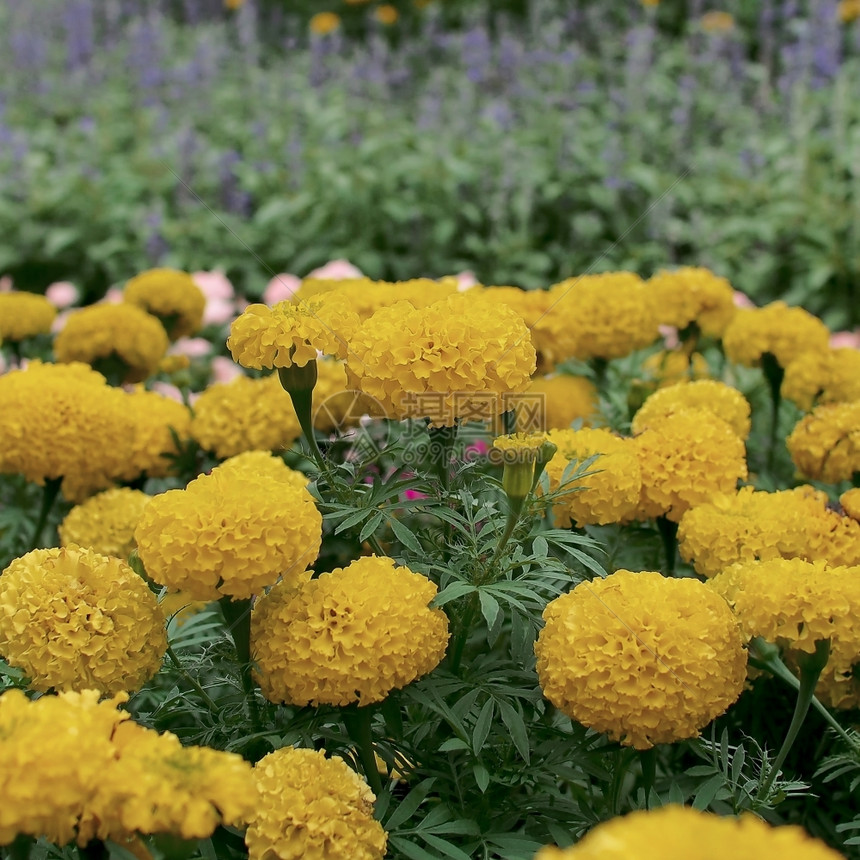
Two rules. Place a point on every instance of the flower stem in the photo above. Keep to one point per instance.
(49, 496)
(358, 722)
(669, 535)
(648, 762)
(213, 708)
(811, 666)
(774, 374)
(442, 441)
(237, 614)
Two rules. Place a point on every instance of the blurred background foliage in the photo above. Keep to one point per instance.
(525, 140)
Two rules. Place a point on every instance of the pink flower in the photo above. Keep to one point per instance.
(59, 322)
(5, 284)
(670, 336)
(218, 312)
(465, 280)
(411, 495)
(224, 369)
(113, 296)
(165, 389)
(742, 300)
(281, 288)
(214, 285)
(193, 347)
(336, 270)
(478, 448)
(62, 294)
(845, 339)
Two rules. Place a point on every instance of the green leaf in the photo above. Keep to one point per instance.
(444, 847)
(452, 592)
(707, 792)
(489, 607)
(482, 776)
(409, 804)
(516, 726)
(482, 726)
(371, 525)
(453, 745)
(410, 849)
(405, 536)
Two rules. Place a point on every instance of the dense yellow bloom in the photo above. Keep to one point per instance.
(73, 619)
(517, 447)
(644, 658)
(794, 603)
(386, 14)
(54, 752)
(352, 635)
(155, 416)
(848, 10)
(825, 445)
(170, 295)
(156, 785)
(682, 833)
(776, 328)
(717, 22)
(229, 533)
(64, 421)
(687, 459)
(99, 333)
(312, 808)
(105, 523)
(564, 399)
(830, 376)
(693, 295)
(324, 23)
(455, 359)
(608, 496)
(850, 501)
(24, 315)
(710, 395)
(252, 463)
(750, 525)
(291, 334)
(597, 316)
(245, 415)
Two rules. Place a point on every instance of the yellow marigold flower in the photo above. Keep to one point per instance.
(531, 305)
(290, 334)
(352, 635)
(106, 333)
(234, 4)
(173, 364)
(693, 295)
(848, 10)
(64, 421)
(24, 315)
(794, 603)
(683, 833)
(456, 359)
(73, 619)
(312, 808)
(850, 501)
(262, 463)
(324, 23)
(520, 445)
(386, 14)
(245, 415)
(156, 419)
(776, 328)
(156, 785)
(229, 533)
(170, 295)
(105, 523)
(564, 399)
(646, 659)
(54, 751)
(597, 316)
(687, 459)
(608, 496)
(710, 395)
(717, 22)
(814, 377)
(825, 445)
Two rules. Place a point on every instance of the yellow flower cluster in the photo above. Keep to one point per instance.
(710, 395)
(684, 461)
(252, 463)
(312, 808)
(597, 316)
(156, 785)
(454, 359)
(794, 603)
(73, 619)
(229, 533)
(105, 523)
(245, 415)
(99, 333)
(693, 295)
(170, 295)
(565, 399)
(831, 376)
(754, 525)
(155, 416)
(24, 315)
(611, 494)
(291, 333)
(72, 768)
(531, 305)
(825, 444)
(683, 833)
(778, 329)
(644, 658)
(63, 421)
(850, 502)
(352, 635)
(848, 11)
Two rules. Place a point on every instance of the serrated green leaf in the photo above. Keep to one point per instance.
(707, 792)
(452, 592)
(482, 726)
(371, 526)
(489, 607)
(516, 726)
(408, 806)
(405, 535)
